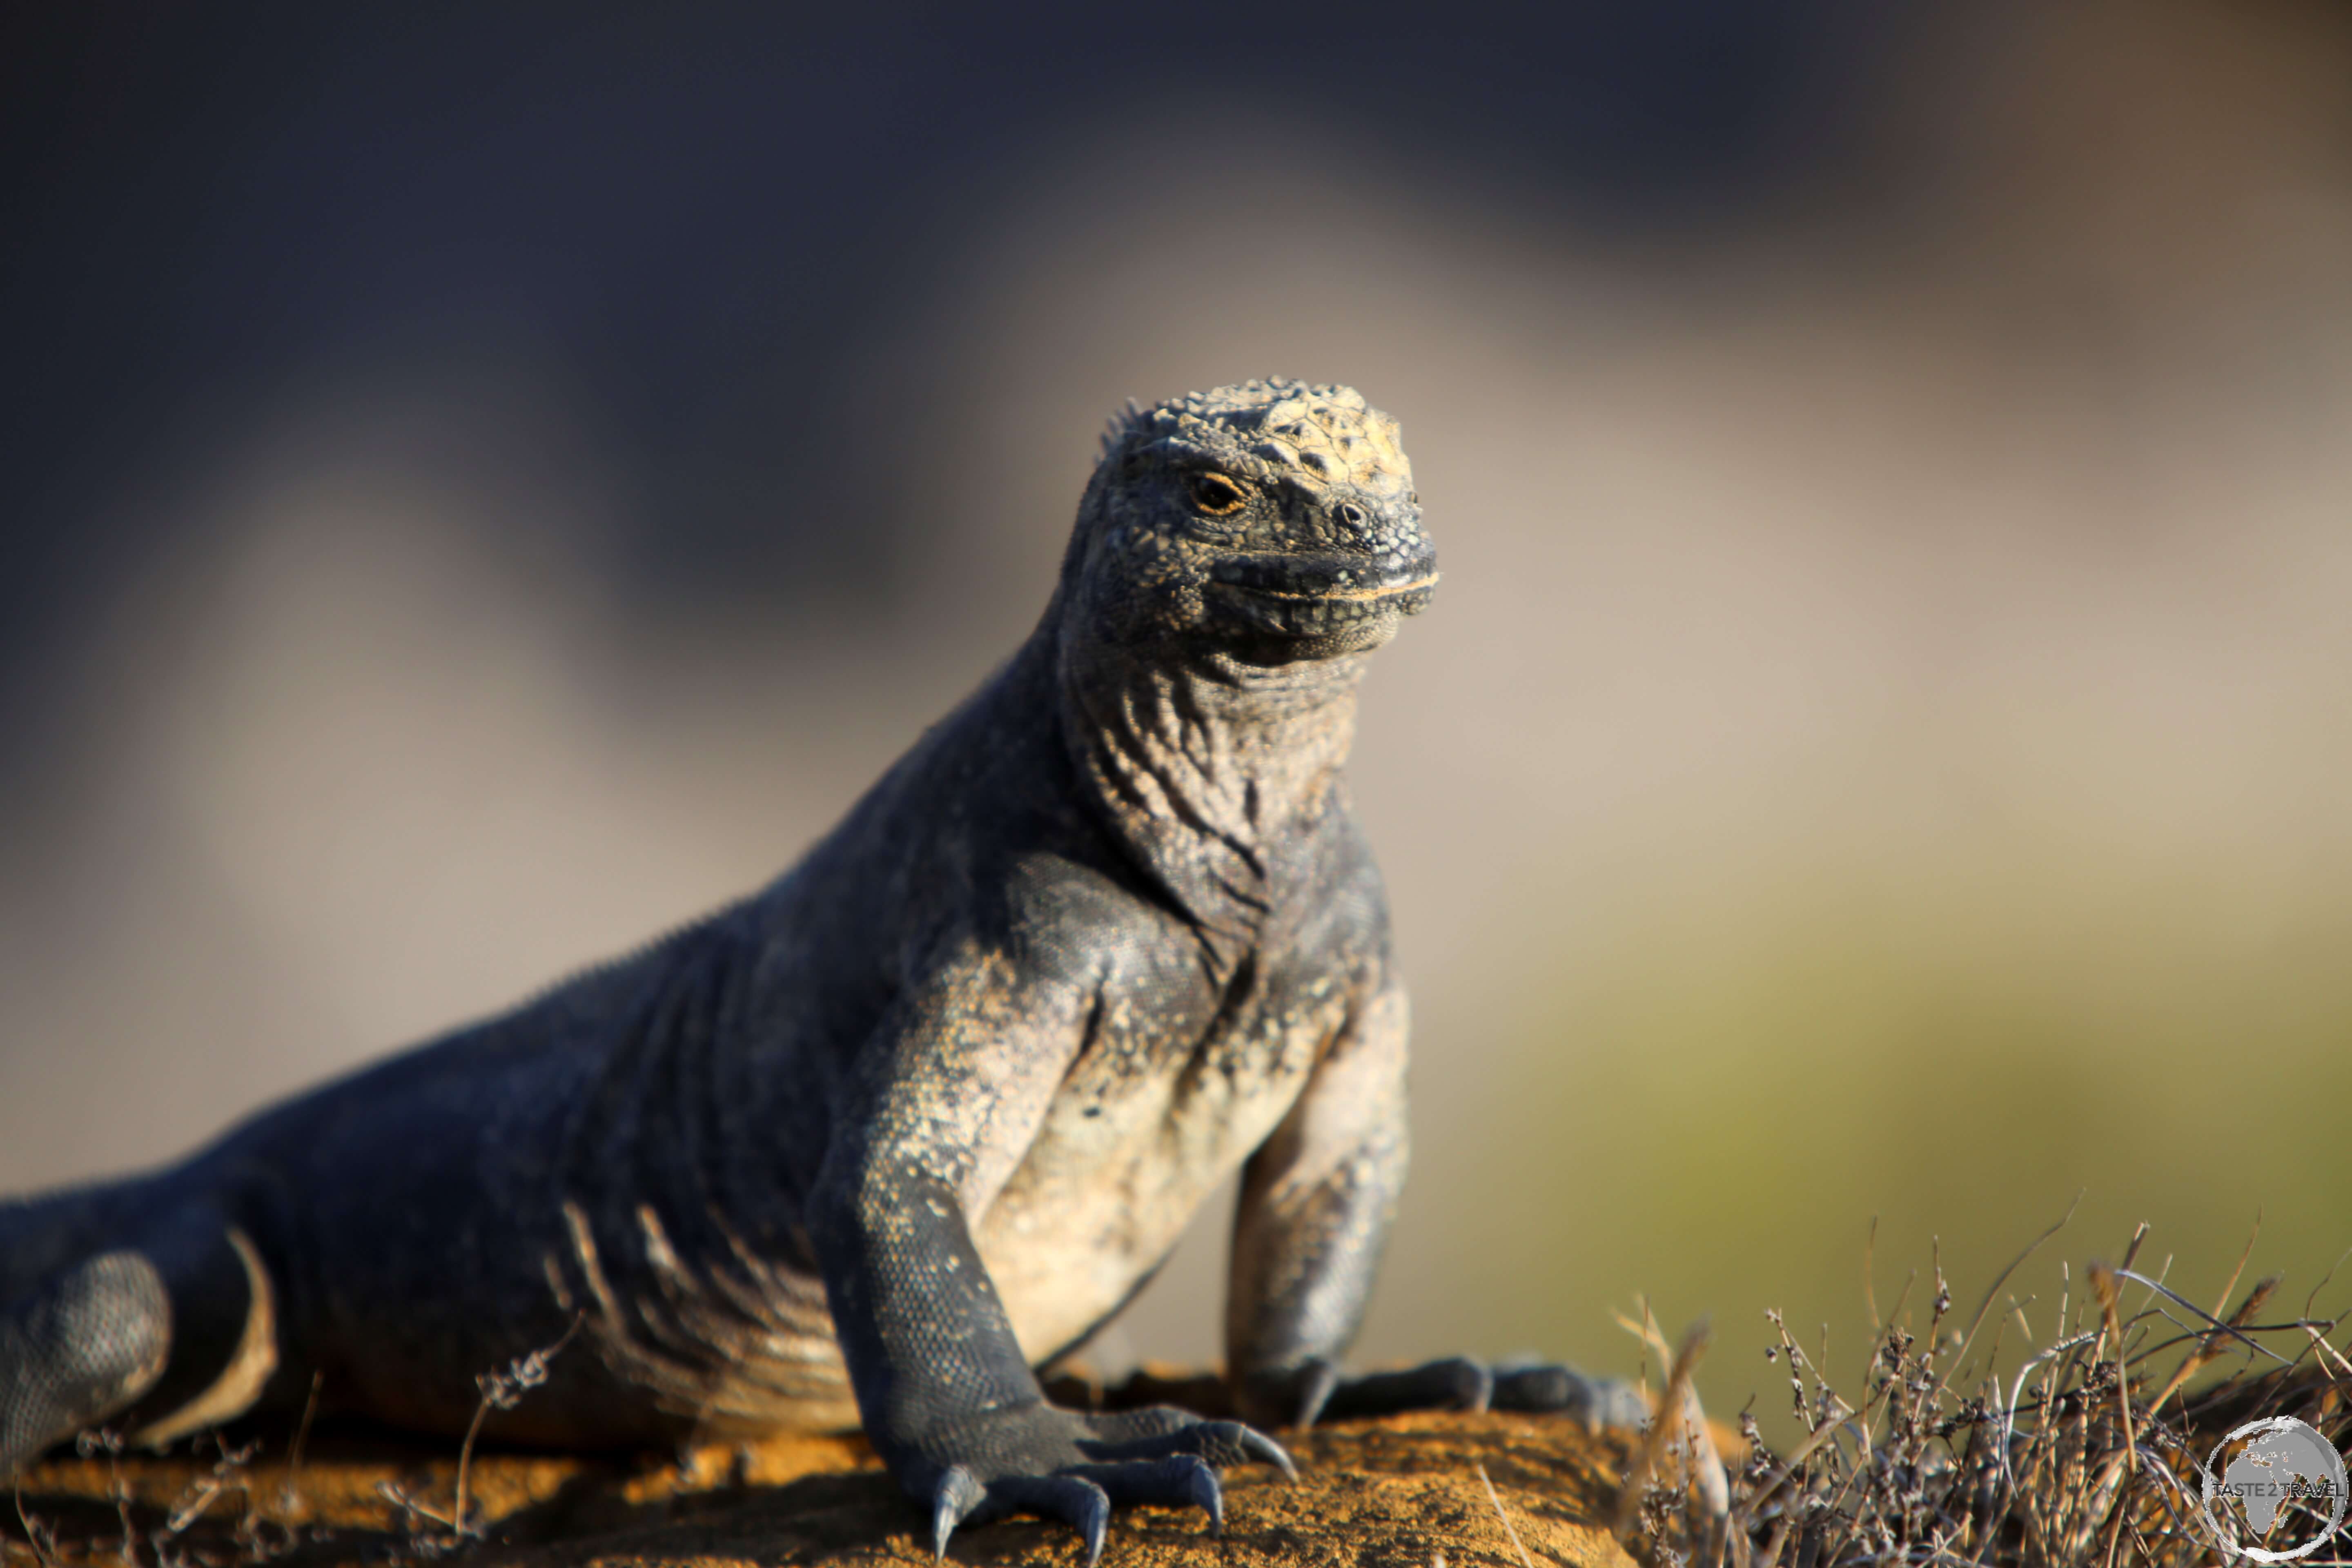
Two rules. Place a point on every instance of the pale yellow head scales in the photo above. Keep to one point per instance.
(1323, 435)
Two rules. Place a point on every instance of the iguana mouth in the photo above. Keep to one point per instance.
(1307, 596)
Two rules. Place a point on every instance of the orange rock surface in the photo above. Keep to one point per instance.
(1405, 1490)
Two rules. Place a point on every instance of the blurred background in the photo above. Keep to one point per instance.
(485, 483)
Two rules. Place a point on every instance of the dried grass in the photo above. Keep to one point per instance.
(2083, 1451)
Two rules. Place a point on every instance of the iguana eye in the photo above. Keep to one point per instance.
(1215, 495)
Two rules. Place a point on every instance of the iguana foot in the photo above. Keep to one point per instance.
(1067, 1465)
(1315, 1391)
(82, 1345)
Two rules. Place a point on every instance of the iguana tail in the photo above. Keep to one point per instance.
(133, 1296)
(80, 1347)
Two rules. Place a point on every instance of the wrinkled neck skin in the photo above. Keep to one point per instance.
(1209, 768)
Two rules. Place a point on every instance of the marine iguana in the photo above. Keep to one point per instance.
(914, 1120)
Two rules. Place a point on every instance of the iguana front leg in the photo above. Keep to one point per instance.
(954, 1092)
(1315, 1203)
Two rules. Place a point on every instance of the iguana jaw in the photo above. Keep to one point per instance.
(1314, 596)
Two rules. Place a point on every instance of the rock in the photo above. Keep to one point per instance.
(1404, 1491)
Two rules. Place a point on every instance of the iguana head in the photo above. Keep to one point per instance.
(1273, 520)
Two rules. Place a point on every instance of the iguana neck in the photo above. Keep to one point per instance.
(1210, 771)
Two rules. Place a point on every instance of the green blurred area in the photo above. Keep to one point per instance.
(1712, 1109)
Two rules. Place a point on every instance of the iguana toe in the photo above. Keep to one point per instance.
(1179, 1481)
(1456, 1383)
(1549, 1389)
(1149, 1435)
(1073, 1498)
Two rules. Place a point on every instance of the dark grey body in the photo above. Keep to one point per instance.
(914, 1120)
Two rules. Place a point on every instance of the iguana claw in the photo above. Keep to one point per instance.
(958, 1493)
(1202, 1482)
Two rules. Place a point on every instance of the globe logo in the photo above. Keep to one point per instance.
(2275, 1490)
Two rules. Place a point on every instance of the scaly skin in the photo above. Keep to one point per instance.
(917, 1118)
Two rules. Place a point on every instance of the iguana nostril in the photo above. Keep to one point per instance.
(1351, 514)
